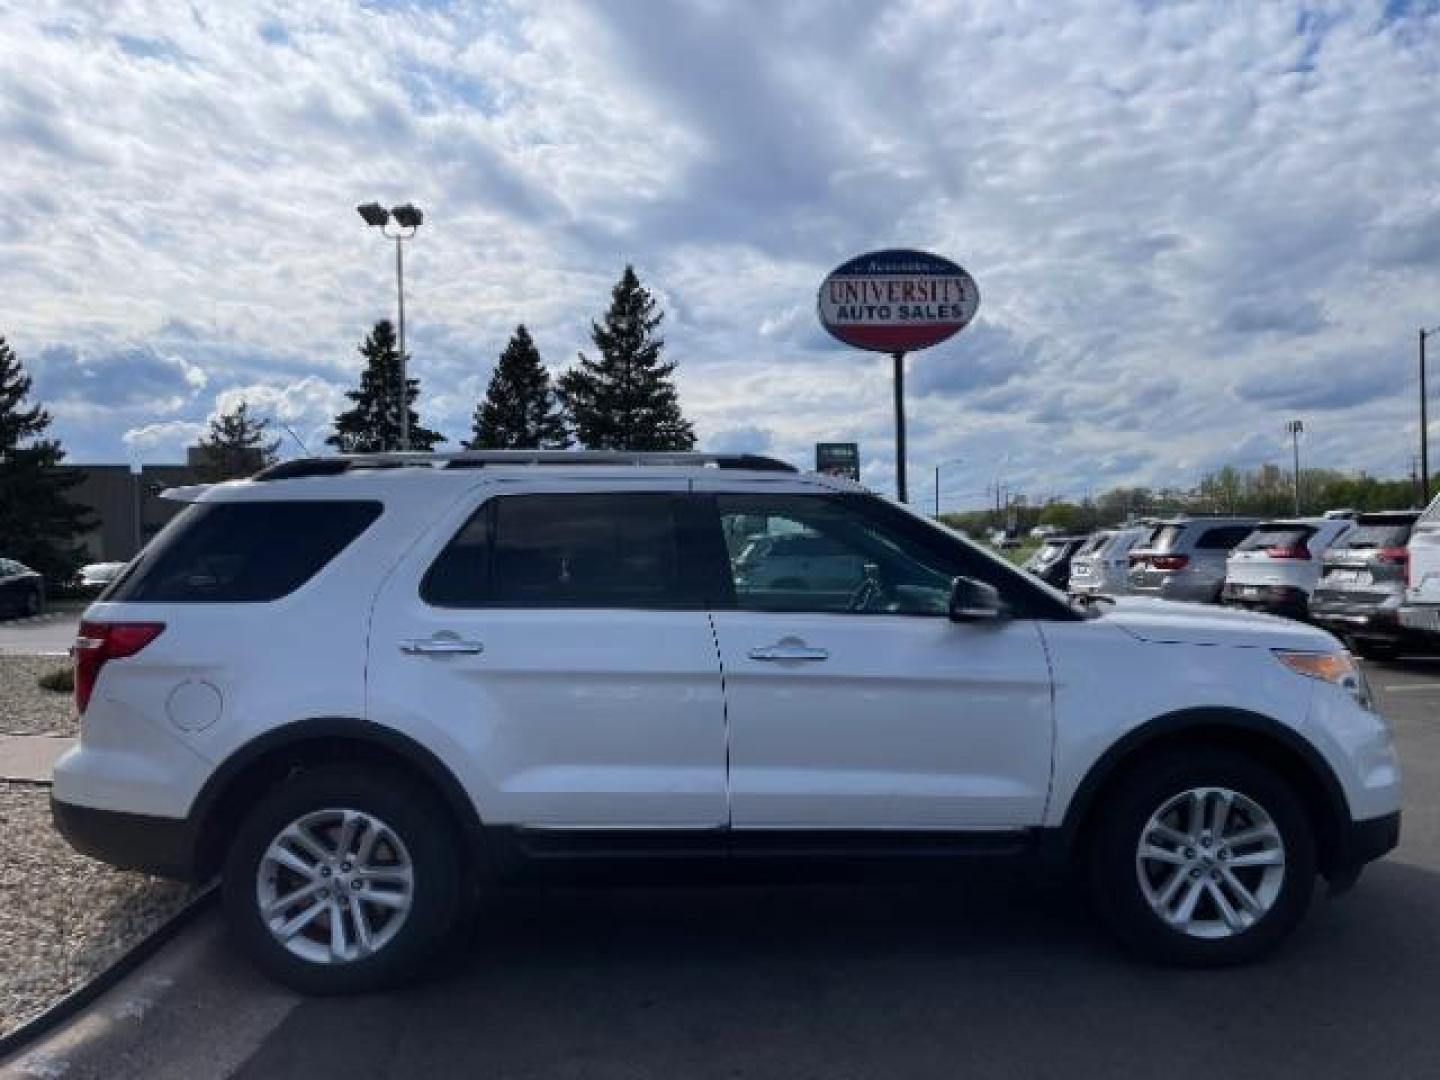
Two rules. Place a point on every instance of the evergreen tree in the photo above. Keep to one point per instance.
(372, 425)
(625, 399)
(235, 446)
(520, 410)
(39, 526)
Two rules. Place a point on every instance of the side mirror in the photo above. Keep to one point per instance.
(974, 601)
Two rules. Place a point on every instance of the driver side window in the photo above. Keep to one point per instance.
(810, 553)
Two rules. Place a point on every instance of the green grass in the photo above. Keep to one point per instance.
(1018, 555)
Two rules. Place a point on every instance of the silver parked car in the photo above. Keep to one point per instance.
(1184, 558)
(1103, 561)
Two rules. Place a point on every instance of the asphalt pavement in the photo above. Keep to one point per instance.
(1005, 976)
(49, 633)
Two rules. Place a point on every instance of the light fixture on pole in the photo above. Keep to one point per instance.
(1295, 427)
(950, 461)
(407, 218)
(1425, 422)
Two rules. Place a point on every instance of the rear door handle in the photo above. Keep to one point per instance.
(786, 651)
(441, 645)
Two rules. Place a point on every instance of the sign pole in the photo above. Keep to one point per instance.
(900, 426)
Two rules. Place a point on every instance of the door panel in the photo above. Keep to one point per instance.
(589, 715)
(908, 722)
(869, 708)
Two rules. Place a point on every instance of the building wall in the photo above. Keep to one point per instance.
(114, 495)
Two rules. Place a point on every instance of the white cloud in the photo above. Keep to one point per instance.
(1187, 221)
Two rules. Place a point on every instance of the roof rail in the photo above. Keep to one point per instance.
(479, 459)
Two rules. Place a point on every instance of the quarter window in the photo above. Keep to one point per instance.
(573, 550)
(241, 552)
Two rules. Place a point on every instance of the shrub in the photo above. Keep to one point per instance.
(61, 680)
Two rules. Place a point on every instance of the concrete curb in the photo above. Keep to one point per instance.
(22, 1038)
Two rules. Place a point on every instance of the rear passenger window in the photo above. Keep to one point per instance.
(583, 550)
(241, 552)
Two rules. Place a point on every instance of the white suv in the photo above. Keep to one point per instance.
(360, 689)
(1421, 609)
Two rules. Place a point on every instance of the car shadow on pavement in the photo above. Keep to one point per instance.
(1008, 975)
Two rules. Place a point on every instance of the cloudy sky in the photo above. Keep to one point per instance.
(1189, 222)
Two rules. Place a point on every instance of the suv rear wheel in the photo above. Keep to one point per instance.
(343, 879)
(1203, 858)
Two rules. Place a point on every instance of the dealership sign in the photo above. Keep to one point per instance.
(897, 301)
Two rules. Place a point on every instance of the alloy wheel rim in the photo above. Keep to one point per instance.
(335, 886)
(1211, 862)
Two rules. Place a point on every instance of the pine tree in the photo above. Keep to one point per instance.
(39, 526)
(372, 425)
(625, 399)
(520, 410)
(235, 446)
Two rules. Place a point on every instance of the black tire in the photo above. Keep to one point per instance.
(1115, 878)
(33, 604)
(422, 825)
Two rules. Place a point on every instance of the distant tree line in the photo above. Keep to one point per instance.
(1266, 492)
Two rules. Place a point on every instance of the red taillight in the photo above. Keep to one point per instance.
(1397, 556)
(1169, 562)
(1294, 551)
(98, 642)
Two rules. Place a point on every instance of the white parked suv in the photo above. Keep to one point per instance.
(361, 689)
(1278, 566)
(1421, 609)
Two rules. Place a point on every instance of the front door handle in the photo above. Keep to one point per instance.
(441, 645)
(789, 649)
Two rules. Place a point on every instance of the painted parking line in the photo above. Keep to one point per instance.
(1412, 688)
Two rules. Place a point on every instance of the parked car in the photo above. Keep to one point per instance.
(800, 562)
(94, 577)
(363, 694)
(1051, 560)
(1184, 558)
(1277, 566)
(22, 590)
(1421, 609)
(1101, 564)
(1042, 532)
(1363, 586)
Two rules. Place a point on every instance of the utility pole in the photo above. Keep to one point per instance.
(938, 467)
(1424, 423)
(1295, 427)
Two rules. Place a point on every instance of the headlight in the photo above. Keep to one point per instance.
(1332, 667)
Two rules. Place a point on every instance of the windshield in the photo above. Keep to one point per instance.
(1000, 566)
(1094, 543)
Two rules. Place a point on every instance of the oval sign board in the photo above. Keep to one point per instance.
(897, 301)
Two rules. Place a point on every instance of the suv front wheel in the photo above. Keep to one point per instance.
(342, 880)
(1203, 858)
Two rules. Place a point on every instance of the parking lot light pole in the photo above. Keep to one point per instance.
(941, 465)
(407, 218)
(1425, 422)
(1295, 427)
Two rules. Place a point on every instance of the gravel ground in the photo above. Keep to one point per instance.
(25, 709)
(66, 917)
